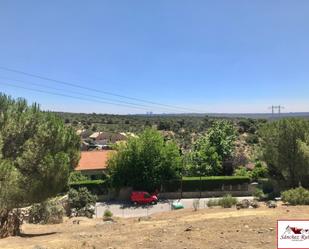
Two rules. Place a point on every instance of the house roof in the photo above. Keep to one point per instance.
(93, 160)
(95, 135)
(108, 136)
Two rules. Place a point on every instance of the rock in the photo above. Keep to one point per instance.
(188, 229)
(243, 204)
(254, 204)
(271, 204)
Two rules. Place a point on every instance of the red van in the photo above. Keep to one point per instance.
(142, 197)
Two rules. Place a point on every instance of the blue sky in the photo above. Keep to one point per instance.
(210, 56)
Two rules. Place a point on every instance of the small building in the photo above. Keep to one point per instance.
(94, 163)
(105, 138)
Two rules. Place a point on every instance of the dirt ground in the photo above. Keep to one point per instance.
(214, 228)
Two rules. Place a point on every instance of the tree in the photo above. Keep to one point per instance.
(204, 159)
(145, 162)
(212, 149)
(82, 202)
(259, 171)
(222, 136)
(285, 149)
(37, 152)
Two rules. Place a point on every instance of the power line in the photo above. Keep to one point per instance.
(79, 93)
(69, 96)
(91, 89)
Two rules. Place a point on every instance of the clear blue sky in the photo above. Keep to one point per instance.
(213, 56)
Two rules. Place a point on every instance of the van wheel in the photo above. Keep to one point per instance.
(153, 202)
(135, 203)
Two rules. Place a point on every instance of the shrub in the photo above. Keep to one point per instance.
(212, 183)
(96, 187)
(48, 212)
(82, 202)
(212, 203)
(259, 194)
(242, 171)
(196, 204)
(260, 170)
(252, 139)
(227, 201)
(296, 196)
(77, 176)
(107, 214)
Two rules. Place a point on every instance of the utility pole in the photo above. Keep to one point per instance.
(273, 108)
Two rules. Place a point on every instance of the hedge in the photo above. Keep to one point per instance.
(212, 183)
(98, 187)
(188, 184)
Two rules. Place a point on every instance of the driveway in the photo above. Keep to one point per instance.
(126, 209)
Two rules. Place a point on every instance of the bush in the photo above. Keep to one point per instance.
(296, 196)
(212, 203)
(252, 139)
(82, 202)
(196, 204)
(96, 187)
(242, 171)
(107, 214)
(212, 183)
(227, 201)
(260, 170)
(259, 194)
(48, 212)
(76, 177)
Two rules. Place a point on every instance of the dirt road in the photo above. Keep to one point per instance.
(209, 228)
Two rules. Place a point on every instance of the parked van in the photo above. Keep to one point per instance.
(142, 197)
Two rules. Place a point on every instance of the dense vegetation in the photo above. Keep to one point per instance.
(220, 146)
(37, 152)
(183, 129)
(297, 196)
(144, 162)
(285, 149)
(211, 150)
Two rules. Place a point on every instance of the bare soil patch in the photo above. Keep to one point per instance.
(208, 228)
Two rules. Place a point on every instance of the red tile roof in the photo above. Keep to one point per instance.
(93, 160)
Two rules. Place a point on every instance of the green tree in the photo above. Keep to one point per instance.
(204, 159)
(285, 149)
(222, 136)
(212, 149)
(37, 152)
(82, 202)
(144, 162)
(242, 171)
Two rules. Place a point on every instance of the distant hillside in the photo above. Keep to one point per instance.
(243, 115)
(261, 115)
